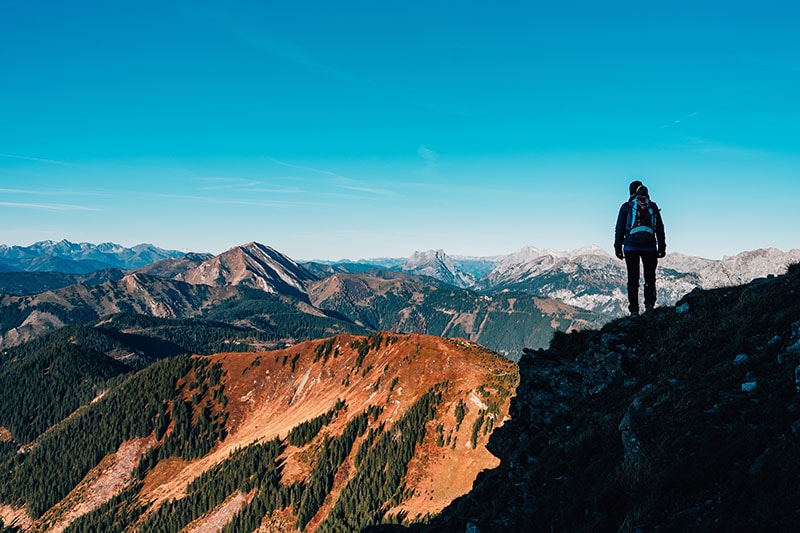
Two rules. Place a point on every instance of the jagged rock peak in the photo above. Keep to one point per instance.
(269, 255)
(427, 256)
(251, 265)
(437, 264)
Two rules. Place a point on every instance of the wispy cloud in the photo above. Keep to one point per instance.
(38, 160)
(220, 183)
(283, 49)
(291, 53)
(679, 121)
(712, 147)
(247, 185)
(427, 154)
(62, 192)
(19, 191)
(216, 200)
(306, 168)
(49, 207)
(370, 190)
(431, 158)
(337, 180)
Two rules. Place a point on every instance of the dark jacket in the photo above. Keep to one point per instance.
(622, 240)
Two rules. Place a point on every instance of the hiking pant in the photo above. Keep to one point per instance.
(649, 261)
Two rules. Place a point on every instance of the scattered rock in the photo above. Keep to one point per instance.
(740, 360)
(627, 429)
(797, 378)
(796, 429)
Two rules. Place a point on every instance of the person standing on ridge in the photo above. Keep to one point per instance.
(639, 236)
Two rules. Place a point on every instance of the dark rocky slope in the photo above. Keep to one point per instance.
(684, 419)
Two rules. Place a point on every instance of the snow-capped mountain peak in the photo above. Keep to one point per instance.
(437, 264)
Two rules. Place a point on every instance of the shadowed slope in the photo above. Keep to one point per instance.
(684, 419)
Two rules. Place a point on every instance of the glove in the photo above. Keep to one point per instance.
(662, 252)
(619, 254)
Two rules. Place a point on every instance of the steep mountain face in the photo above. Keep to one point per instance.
(272, 320)
(251, 265)
(734, 270)
(329, 435)
(26, 317)
(592, 279)
(587, 278)
(438, 265)
(683, 419)
(476, 267)
(504, 322)
(79, 258)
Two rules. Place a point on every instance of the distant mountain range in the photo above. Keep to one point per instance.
(505, 303)
(79, 258)
(589, 278)
(592, 279)
(257, 288)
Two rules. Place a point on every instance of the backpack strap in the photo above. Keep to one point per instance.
(631, 215)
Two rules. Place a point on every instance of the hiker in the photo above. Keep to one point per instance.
(639, 236)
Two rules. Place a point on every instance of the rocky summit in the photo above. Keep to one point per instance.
(684, 419)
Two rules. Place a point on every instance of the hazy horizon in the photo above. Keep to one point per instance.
(384, 257)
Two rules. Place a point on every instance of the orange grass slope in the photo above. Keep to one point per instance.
(269, 393)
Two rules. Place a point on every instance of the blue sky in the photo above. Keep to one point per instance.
(363, 129)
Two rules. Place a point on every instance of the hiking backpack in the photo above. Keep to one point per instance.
(641, 222)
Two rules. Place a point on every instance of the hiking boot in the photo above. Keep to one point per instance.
(649, 307)
(634, 313)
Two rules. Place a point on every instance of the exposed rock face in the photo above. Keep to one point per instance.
(438, 265)
(252, 265)
(38, 322)
(590, 278)
(669, 421)
(134, 293)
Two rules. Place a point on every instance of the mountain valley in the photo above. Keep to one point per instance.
(250, 392)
